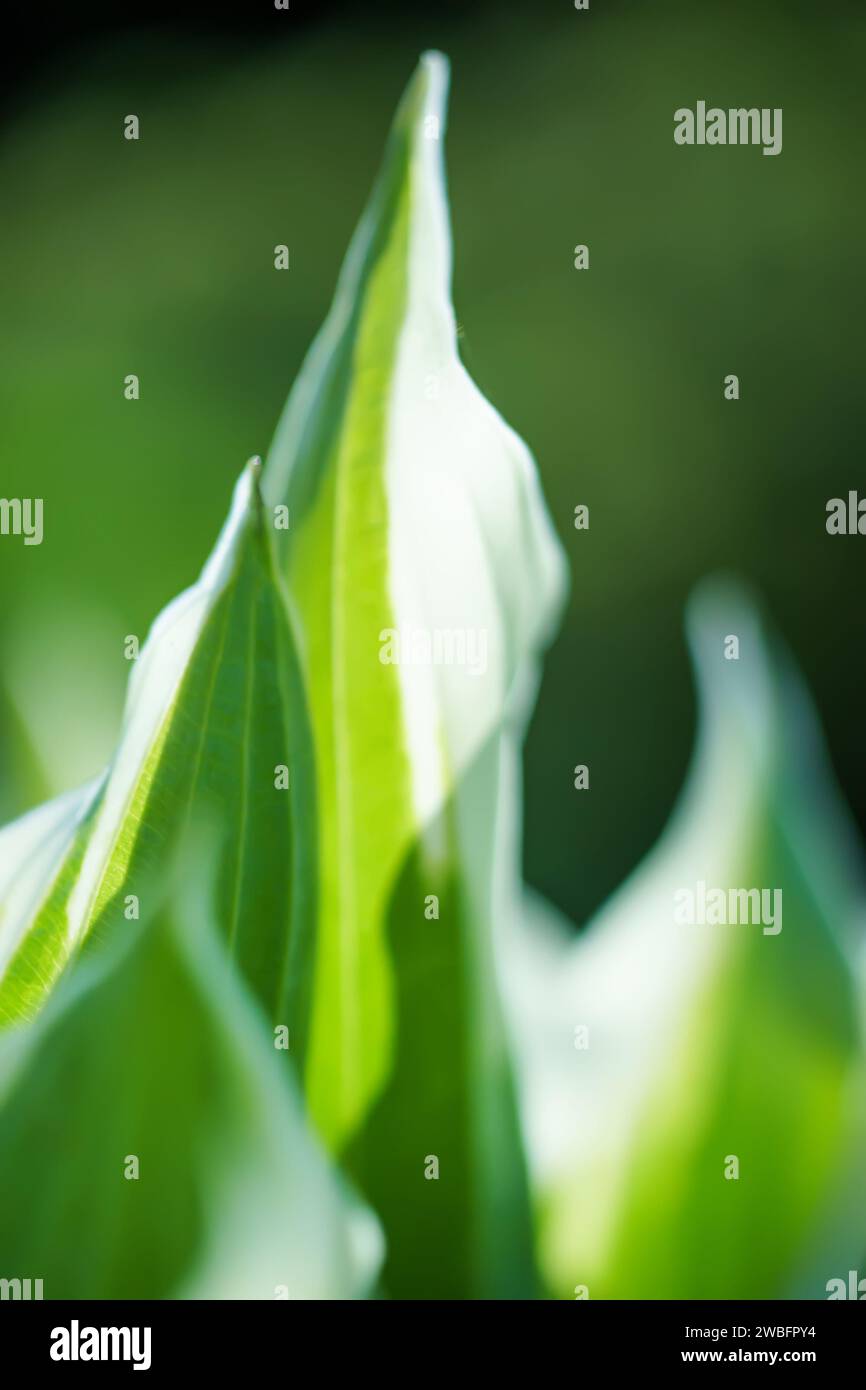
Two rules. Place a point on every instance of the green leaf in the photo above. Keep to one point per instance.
(417, 528)
(214, 707)
(707, 1041)
(361, 904)
(152, 1146)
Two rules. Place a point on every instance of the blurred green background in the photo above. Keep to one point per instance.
(156, 258)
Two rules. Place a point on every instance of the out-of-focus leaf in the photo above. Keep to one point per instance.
(61, 660)
(23, 777)
(152, 1049)
(214, 708)
(418, 532)
(708, 1041)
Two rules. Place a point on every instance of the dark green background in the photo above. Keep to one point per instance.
(156, 258)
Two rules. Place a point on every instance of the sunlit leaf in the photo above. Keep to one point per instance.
(214, 709)
(425, 579)
(369, 625)
(708, 1042)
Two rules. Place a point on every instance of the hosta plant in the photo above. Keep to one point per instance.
(340, 699)
(276, 1019)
